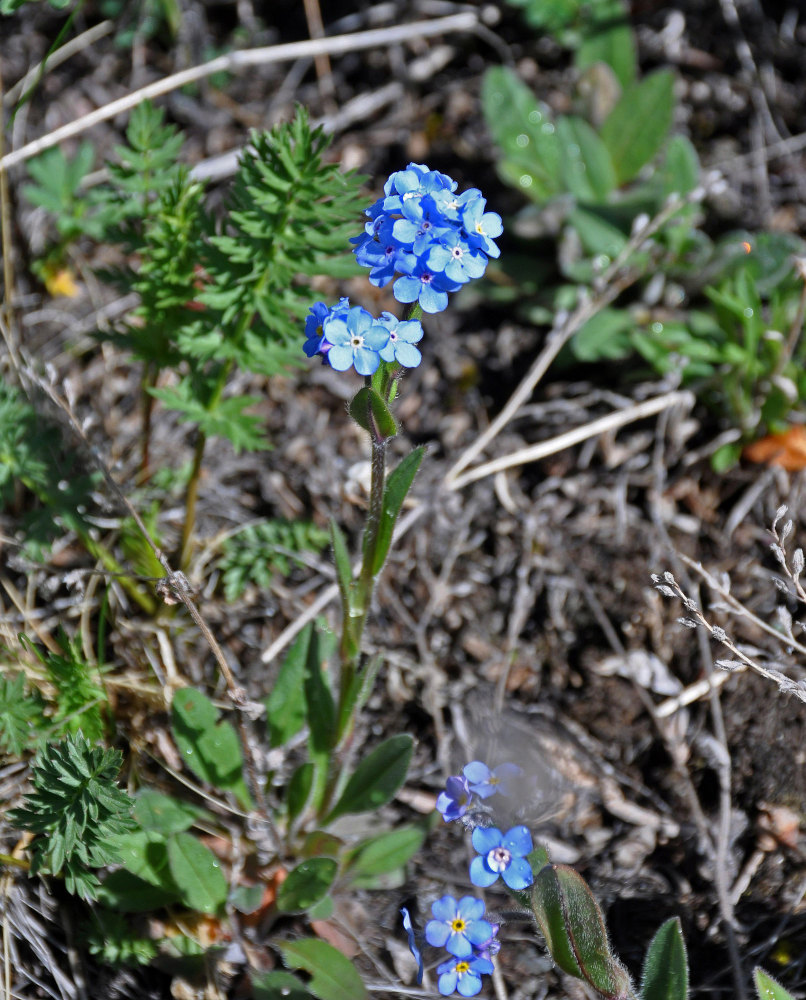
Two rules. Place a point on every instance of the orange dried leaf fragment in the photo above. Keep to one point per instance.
(787, 449)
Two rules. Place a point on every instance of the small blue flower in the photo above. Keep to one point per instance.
(315, 344)
(456, 258)
(484, 782)
(402, 338)
(419, 283)
(501, 854)
(481, 227)
(407, 927)
(455, 800)
(356, 341)
(458, 926)
(463, 974)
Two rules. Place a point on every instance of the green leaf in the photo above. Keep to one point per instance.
(285, 706)
(299, 790)
(333, 976)
(587, 168)
(573, 926)
(397, 486)
(306, 885)
(665, 975)
(636, 128)
(278, 985)
(597, 234)
(341, 557)
(211, 750)
(163, 814)
(524, 133)
(377, 778)
(370, 411)
(384, 853)
(608, 37)
(605, 335)
(128, 893)
(197, 873)
(768, 988)
(680, 173)
(320, 706)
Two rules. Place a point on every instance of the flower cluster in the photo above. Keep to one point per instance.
(434, 239)
(350, 337)
(459, 926)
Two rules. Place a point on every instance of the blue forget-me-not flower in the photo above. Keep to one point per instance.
(422, 230)
(485, 782)
(463, 975)
(501, 854)
(456, 799)
(458, 927)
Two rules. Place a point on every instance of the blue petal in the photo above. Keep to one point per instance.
(480, 874)
(366, 361)
(476, 772)
(469, 984)
(407, 355)
(407, 927)
(433, 301)
(519, 874)
(485, 840)
(406, 288)
(437, 933)
(444, 908)
(480, 932)
(518, 840)
(459, 946)
(470, 908)
(446, 983)
(340, 358)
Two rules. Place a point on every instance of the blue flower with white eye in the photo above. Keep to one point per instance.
(453, 256)
(378, 250)
(421, 225)
(419, 283)
(484, 782)
(407, 927)
(458, 926)
(501, 854)
(463, 975)
(356, 341)
(402, 338)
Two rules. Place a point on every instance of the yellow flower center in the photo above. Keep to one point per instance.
(458, 925)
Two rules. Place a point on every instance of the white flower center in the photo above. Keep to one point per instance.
(498, 859)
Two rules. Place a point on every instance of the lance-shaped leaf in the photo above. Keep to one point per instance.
(768, 988)
(638, 125)
(377, 778)
(341, 557)
(573, 926)
(665, 975)
(397, 486)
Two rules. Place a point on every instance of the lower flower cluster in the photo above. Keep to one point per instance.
(350, 337)
(459, 926)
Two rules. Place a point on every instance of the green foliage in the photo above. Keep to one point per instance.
(333, 976)
(57, 188)
(75, 811)
(21, 718)
(597, 31)
(80, 702)
(665, 975)
(572, 924)
(9, 6)
(110, 937)
(210, 748)
(32, 453)
(257, 553)
(768, 988)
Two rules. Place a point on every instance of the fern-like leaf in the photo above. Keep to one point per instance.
(75, 811)
(258, 552)
(20, 716)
